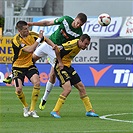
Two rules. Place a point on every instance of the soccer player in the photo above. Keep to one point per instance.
(68, 76)
(24, 43)
(68, 29)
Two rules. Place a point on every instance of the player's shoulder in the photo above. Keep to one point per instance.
(16, 37)
(62, 18)
(32, 33)
(71, 42)
(16, 40)
(74, 40)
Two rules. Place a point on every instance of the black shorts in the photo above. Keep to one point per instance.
(66, 74)
(22, 72)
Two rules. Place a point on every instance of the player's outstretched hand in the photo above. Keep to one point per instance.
(41, 34)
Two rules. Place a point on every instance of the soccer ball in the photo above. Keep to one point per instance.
(104, 19)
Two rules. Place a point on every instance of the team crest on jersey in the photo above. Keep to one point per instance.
(56, 20)
(22, 45)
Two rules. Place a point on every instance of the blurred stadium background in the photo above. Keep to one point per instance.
(27, 9)
(111, 49)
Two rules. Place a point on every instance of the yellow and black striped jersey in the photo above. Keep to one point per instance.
(21, 58)
(68, 51)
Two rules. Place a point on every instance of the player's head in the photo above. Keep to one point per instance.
(84, 41)
(23, 28)
(79, 20)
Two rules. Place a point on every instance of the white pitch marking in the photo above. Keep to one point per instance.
(95, 131)
(105, 117)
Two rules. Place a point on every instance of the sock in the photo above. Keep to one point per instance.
(21, 97)
(87, 103)
(49, 87)
(59, 103)
(34, 97)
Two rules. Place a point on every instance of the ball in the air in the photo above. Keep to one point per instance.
(104, 19)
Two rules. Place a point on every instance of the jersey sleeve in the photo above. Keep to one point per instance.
(59, 20)
(34, 34)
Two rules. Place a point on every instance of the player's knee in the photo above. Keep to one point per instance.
(80, 86)
(37, 83)
(18, 90)
(66, 92)
(52, 78)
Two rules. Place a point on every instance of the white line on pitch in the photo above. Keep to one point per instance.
(95, 131)
(105, 117)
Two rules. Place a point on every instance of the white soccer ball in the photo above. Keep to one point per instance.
(104, 19)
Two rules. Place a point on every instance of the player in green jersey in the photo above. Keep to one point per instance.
(68, 29)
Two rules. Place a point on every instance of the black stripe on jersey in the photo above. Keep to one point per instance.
(16, 50)
(58, 73)
(64, 52)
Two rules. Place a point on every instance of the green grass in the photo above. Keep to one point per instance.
(104, 100)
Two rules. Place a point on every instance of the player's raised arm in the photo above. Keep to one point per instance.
(57, 52)
(31, 48)
(49, 42)
(41, 23)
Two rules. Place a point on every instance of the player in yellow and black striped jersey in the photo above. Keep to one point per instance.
(23, 59)
(24, 44)
(68, 76)
(68, 51)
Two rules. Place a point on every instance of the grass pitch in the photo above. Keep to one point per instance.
(105, 101)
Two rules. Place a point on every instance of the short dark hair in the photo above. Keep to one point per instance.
(85, 36)
(82, 17)
(20, 24)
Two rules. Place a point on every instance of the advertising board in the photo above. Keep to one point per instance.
(116, 50)
(127, 28)
(6, 51)
(96, 75)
